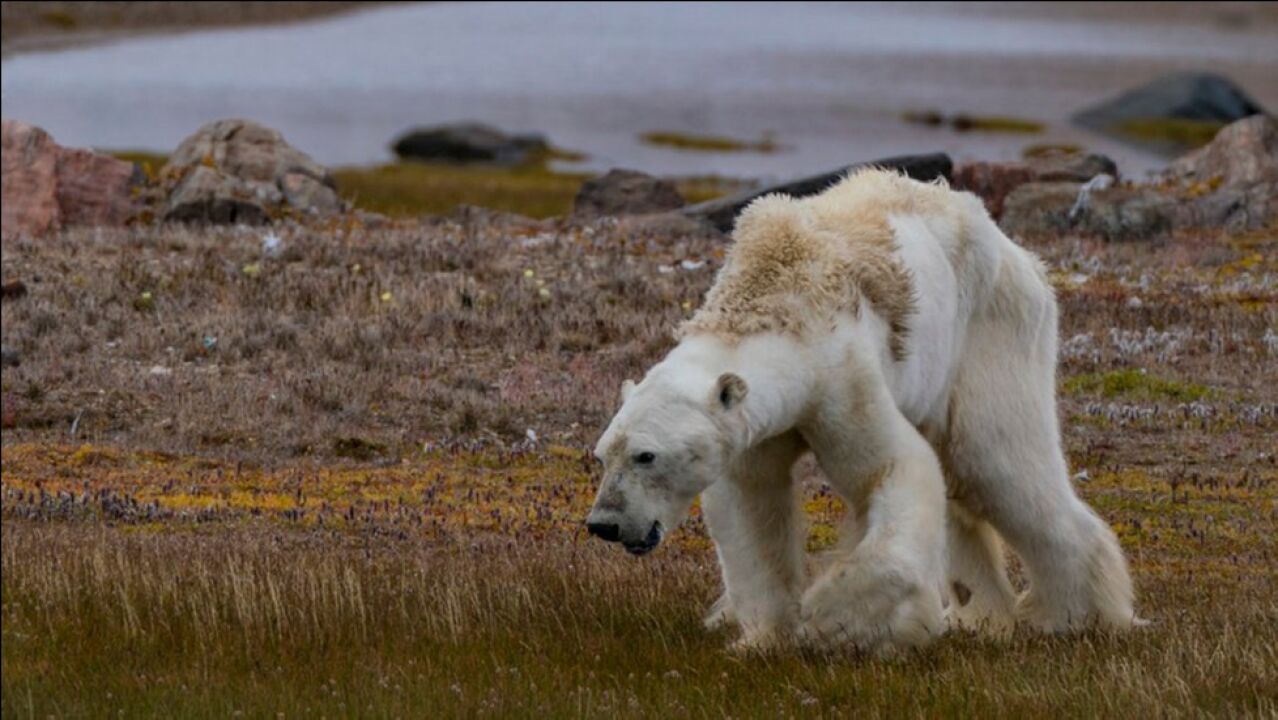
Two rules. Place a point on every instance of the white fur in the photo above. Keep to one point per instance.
(974, 395)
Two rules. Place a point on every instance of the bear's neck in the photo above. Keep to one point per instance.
(778, 372)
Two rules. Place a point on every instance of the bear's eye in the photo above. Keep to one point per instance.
(645, 458)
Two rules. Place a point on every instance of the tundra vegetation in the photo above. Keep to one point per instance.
(290, 471)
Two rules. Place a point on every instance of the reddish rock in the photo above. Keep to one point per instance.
(993, 182)
(13, 290)
(47, 186)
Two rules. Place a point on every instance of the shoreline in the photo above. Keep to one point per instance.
(36, 27)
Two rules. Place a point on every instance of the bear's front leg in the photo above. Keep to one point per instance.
(720, 614)
(882, 590)
(753, 517)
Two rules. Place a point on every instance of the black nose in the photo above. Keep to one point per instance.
(604, 531)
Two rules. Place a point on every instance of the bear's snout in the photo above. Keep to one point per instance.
(605, 531)
(650, 541)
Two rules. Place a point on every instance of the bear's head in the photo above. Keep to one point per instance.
(672, 438)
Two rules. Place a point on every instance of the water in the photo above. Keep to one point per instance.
(831, 80)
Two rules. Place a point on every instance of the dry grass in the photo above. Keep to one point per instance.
(476, 326)
(333, 508)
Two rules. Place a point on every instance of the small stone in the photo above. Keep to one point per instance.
(626, 192)
(13, 290)
(9, 357)
(468, 142)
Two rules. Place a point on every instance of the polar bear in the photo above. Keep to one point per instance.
(889, 327)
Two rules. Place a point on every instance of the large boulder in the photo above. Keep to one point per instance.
(626, 192)
(1231, 184)
(994, 181)
(47, 186)
(1244, 152)
(1171, 114)
(467, 142)
(1114, 213)
(722, 212)
(237, 171)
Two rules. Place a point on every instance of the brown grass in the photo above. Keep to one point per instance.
(332, 508)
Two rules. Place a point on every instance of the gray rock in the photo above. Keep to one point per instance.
(9, 357)
(1116, 213)
(1235, 208)
(467, 142)
(722, 212)
(1071, 167)
(1202, 97)
(237, 171)
(204, 195)
(1230, 184)
(1243, 152)
(626, 192)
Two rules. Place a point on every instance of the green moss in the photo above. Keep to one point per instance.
(708, 143)
(407, 189)
(1189, 133)
(995, 123)
(61, 19)
(821, 537)
(410, 189)
(150, 162)
(1038, 150)
(924, 117)
(1134, 383)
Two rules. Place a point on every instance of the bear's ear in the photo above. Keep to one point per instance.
(627, 387)
(729, 391)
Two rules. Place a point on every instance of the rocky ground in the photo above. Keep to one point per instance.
(265, 452)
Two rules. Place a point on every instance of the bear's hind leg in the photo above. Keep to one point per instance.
(1004, 445)
(981, 598)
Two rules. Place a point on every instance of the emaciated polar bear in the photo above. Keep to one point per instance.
(892, 329)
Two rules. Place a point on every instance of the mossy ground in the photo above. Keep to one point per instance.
(1180, 133)
(408, 189)
(708, 143)
(1135, 384)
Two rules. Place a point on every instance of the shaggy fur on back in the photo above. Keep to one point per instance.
(797, 263)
